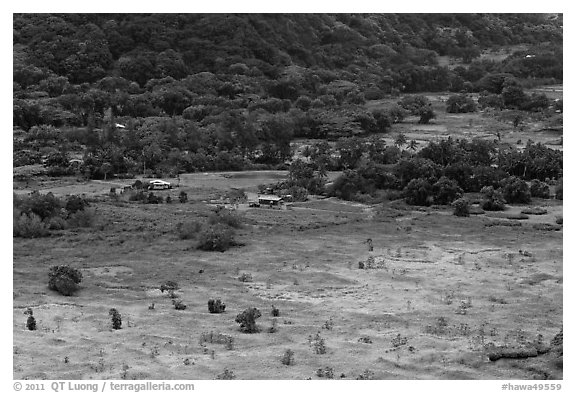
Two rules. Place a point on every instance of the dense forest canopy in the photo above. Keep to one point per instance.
(217, 91)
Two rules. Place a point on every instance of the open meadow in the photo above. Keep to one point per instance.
(435, 292)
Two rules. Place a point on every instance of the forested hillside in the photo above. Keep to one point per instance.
(202, 92)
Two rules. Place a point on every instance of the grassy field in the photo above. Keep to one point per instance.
(442, 287)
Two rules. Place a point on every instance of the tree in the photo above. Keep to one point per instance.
(515, 190)
(460, 103)
(445, 191)
(419, 192)
(426, 114)
(247, 320)
(493, 200)
(400, 140)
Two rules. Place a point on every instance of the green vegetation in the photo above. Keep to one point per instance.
(64, 279)
(116, 319)
(247, 320)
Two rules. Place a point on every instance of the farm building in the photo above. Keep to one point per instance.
(271, 200)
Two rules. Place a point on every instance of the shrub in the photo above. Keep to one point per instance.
(82, 219)
(188, 230)
(492, 199)
(275, 311)
(446, 191)
(64, 279)
(326, 372)
(116, 319)
(461, 207)
(44, 206)
(288, 358)
(169, 286)
(491, 101)
(460, 103)
(227, 374)
(418, 192)
(515, 190)
(178, 305)
(29, 226)
(183, 197)
(137, 196)
(57, 223)
(154, 199)
(74, 203)
(539, 189)
(216, 238)
(559, 190)
(225, 217)
(247, 320)
(31, 321)
(245, 277)
(318, 344)
(216, 306)
(414, 103)
(426, 114)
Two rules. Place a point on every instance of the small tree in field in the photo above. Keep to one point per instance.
(539, 189)
(116, 319)
(418, 192)
(247, 320)
(216, 306)
(31, 321)
(493, 199)
(515, 190)
(183, 197)
(460, 103)
(64, 279)
(445, 191)
(461, 207)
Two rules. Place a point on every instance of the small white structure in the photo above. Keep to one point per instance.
(159, 185)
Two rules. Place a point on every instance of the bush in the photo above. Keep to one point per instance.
(419, 192)
(426, 114)
(216, 306)
(226, 375)
(247, 320)
(515, 190)
(154, 199)
(288, 358)
(44, 206)
(414, 103)
(137, 196)
(225, 217)
(188, 230)
(31, 321)
(56, 223)
(216, 238)
(183, 197)
(539, 189)
(275, 311)
(461, 207)
(492, 199)
(64, 279)
(169, 286)
(446, 191)
(116, 319)
(29, 226)
(460, 103)
(559, 189)
(74, 203)
(178, 305)
(82, 219)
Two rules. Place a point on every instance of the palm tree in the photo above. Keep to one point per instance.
(400, 140)
(413, 145)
